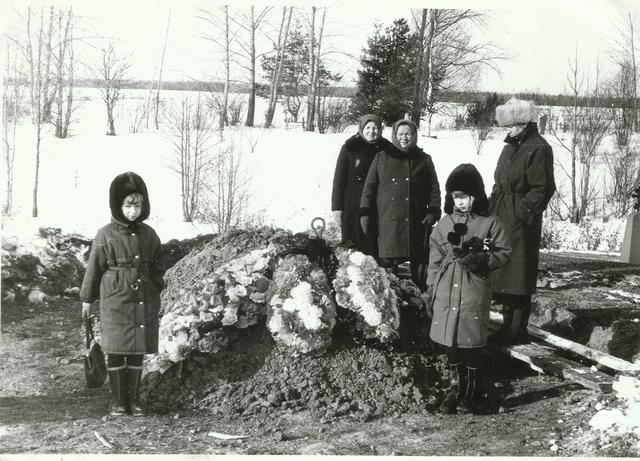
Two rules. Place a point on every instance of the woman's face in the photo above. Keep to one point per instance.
(515, 130)
(371, 132)
(404, 135)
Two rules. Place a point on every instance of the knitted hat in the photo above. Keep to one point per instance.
(123, 185)
(369, 118)
(516, 111)
(394, 131)
(466, 178)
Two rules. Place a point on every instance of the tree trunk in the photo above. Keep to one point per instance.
(67, 115)
(164, 51)
(430, 74)
(111, 129)
(251, 108)
(316, 96)
(635, 76)
(312, 66)
(275, 76)
(227, 66)
(416, 106)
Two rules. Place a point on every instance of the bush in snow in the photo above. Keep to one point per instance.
(589, 235)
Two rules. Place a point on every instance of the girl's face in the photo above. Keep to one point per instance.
(371, 132)
(404, 135)
(462, 201)
(132, 207)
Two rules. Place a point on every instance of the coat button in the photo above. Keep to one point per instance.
(406, 179)
(455, 285)
(141, 302)
(136, 256)
(141, 326)
(133, 235)
(406, 198)
(406, 219)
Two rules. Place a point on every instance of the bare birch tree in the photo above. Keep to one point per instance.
(247, 57)
(11, 112)
(191, 132)
(283, 35)
(63, 74)
(112, 71)
(164, 51)
(39, 61)
(625, 52)
(222, 38)
(451, 58)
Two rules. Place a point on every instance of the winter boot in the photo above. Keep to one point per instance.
(520, 323)
(456, 390)
(117, 380)
(134, 375)
(503, 335)
(478, 395)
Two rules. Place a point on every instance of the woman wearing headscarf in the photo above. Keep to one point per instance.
(352, 167)
(524, 184)
(402, 189)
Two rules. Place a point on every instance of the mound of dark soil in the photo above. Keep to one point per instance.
(253, 377)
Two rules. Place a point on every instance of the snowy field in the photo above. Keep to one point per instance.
(290, 171)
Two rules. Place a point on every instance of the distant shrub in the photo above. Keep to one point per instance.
(589, 235)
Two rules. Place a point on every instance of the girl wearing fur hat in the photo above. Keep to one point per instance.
(125, 271)
(402, 190)
(465, 246)
(524, 184)
(352, 167)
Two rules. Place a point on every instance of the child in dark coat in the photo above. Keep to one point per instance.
(125, 271)
(464, 247)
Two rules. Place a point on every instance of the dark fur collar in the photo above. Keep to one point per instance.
(356, 142)
(529, 129)
(413, 153)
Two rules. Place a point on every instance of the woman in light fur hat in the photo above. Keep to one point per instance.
(524, 184)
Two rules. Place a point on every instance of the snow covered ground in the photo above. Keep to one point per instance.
(290, 170)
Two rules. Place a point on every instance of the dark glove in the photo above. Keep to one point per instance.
(364, 223)
(476, 262)
(429, 301)
(429, 220)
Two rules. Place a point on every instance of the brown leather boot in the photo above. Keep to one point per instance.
(117, 381)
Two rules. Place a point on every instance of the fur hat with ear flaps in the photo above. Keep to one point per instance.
(466, 178)
(516, 111)
(123, 185)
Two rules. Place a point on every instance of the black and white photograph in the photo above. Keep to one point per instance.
(320, 228)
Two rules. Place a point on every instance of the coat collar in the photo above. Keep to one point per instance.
(357, 142)
(529, 129)
(412, 153)
(124, 227)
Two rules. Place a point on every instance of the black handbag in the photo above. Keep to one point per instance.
(95, 368)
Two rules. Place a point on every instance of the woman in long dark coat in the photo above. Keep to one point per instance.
(524, 184)
(352, 167)
(402, 189)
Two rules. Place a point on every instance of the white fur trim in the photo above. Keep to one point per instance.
(516, 111)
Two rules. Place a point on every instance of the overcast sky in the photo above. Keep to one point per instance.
(540, 35)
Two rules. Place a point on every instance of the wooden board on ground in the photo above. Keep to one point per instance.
(544, 359)
(599, 358)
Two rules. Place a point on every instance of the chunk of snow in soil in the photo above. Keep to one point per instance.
(626, 418)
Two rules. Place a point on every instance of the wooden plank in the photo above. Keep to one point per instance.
(543, 359)
(600, 358)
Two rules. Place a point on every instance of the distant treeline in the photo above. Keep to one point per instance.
(462, 97)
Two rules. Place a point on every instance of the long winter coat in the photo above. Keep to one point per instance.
(125, 271)
(401, 188)
(524, 184)
(351, 171)
(461, 299)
